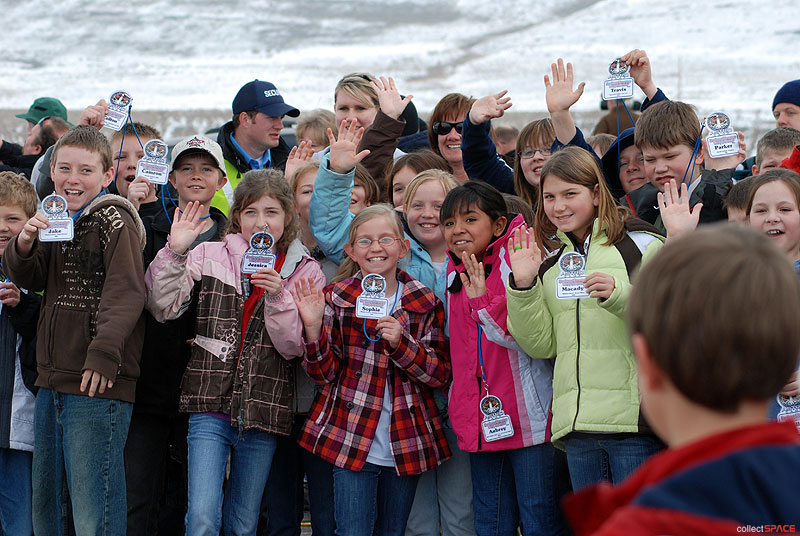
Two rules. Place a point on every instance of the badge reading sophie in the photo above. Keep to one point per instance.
(153, 165)
(569, 285)
(60, 225)
(372, 303)
(790, 409)
(259, 255)
(619, 85)
(118, 104)
(496, 424)
(722, 140)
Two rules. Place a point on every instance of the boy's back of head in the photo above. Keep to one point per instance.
(88, 138)
(719, 310)
(735, 200)
(16, 190)
(667, 124)
(775, 146)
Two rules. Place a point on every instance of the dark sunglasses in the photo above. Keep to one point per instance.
(441, 128)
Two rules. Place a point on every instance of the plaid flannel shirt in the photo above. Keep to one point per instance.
(353, 372)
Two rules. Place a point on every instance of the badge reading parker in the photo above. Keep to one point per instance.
(259, 256)
(569, 285)
(118, 104)
(722, 140)
(790, 409)
(619, 85)
(60, 225)
(153, 165)
(496, 424)
(372, 303)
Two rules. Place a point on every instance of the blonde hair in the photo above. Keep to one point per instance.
(357, 85)
(16, 190)
(349, 267)
(447, 180)
(316, 124)
(299, 172)
(256, 184)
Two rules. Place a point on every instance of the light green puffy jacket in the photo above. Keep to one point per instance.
(594, 381)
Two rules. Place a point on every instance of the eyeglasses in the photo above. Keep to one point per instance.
(441, 128)
(384, 241)
(530, 153)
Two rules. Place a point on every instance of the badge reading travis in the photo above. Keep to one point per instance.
(259, 255)
(619, 85)
(153, 165)
(722, 140)
(60, 225)
(496, 424)
(790, 409)
(372, 303)
(118, 104)
(569, 285)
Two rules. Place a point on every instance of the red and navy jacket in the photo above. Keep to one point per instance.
(353, 372)
(718, 485)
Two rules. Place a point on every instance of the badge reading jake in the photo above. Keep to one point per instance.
(60, 225)
(569, 285)
(372, 303)
(153, 165)
(118, 104)
(722, 140)
(496, 424)
(790, 410)
(619, 85)
(259, 256)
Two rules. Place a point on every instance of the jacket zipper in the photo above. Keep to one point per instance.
(578, 338)
(480, 386)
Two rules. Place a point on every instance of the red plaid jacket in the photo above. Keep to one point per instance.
(353, 371)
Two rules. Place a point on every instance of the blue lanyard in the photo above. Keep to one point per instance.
(127, 120)
(695, 152)
(364, 325)
(164, 189)
(480, 359)
(77, 214)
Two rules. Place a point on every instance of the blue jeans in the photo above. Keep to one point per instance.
(519, 486)
(15, 493)
(374, 500)
(593, 458)
(80, 440)
(211, 440)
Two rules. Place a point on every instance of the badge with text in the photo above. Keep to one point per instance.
(259, 255)
(60, 225)
(372, 303)
(790, 410)
(118, 105)
(619, 84)
(722, 140)
(153, 165)
(496, 424)
(569, 284)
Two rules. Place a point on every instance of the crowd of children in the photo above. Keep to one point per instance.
(436, 341)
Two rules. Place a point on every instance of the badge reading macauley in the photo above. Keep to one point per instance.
(722, 140)
(496, 424)
(372, 303)
(259, 255)
(153, 166)
(569, 284)
(118, 104)
(619, 85)
(60, 225)
(790, 409)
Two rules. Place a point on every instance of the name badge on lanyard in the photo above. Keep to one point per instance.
(569, 285)
(496, 424)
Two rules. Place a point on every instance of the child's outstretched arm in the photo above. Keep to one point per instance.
(323, 343)
(560, 97)
(478, 151)
(329, 209)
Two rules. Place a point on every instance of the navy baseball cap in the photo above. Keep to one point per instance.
(263, 97)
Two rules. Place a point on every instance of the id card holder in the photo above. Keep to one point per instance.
(619, 85)
(259, 255)
(496, 424)
(723, 140)
(374, 308)
(60, 228)
(118, 104)
(569, 284)
(153, 166)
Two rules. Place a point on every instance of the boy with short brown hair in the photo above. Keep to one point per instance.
(774, 147)
(126, 156)
(706, 381)
(92, 310)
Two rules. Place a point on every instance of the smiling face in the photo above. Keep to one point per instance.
(349, 108)
(471, 231)
(450, 143)
(422, 214)
(531, 160)
(569, 206)
(775, 213)
(631, 168)
(78, 176)
(196, 177)
(358, 199)
(400, 180)
(302, 193)
(267, 211)
(664, 164)
(377, 258)
(12, 220)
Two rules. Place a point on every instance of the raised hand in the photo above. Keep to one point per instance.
(599, 285)
(474, 278)
(299, 155)
(641, 71)
(390, 329)
(269, 280)
(525, 257)
(389, 99)
(186, 227)
(138, 191)
(30, 232)
(676, 215)
(560, 95)
(94, 115)
(311, 305)
(726, 162)
(489, 107)
(343, 155)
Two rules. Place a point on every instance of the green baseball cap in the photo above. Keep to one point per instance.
(44, 107)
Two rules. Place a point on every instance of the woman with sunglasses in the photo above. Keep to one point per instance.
(444, 132)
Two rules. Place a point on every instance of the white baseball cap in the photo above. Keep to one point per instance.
(198, 143)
